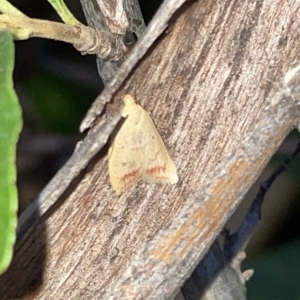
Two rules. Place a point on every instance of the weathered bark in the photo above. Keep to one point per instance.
(123, 18)
(214, 279)
(174, 251)
(205, 83)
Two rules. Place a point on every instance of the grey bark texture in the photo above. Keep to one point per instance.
(213, 85)
(214, 279)
(122, 18)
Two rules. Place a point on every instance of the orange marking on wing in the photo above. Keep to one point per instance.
(156, 169)
(130, 175)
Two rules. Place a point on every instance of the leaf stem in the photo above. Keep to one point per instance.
(64, 12)
(9, 9)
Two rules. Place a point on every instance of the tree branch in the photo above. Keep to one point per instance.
(238, 241)
(214, 279)
(122, 17)
(85, 39)
(153, 31)
(176, 250)
(205, 83)
(99, 134)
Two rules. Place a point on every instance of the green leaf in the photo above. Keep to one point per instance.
(10, 127)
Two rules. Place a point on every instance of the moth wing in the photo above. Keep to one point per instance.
(158, 166)
(125, 164)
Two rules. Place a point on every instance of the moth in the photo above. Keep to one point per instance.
(138, 151)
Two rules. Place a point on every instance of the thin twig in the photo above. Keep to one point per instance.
(64, 12)
(84, 39)
(9, 9)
